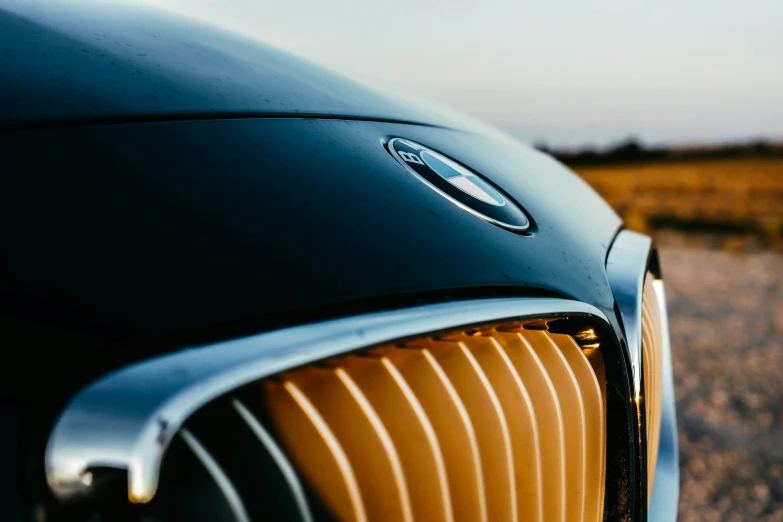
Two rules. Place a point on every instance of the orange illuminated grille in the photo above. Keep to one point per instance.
(651, 366)
(498, 424)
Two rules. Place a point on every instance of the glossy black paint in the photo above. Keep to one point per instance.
(88, 60)
(164, 183)
(128, 240)
(132, 231)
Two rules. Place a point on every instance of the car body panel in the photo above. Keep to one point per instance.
(82, 60)
(139, 230)
(166, 184)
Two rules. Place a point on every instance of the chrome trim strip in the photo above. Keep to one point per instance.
(127, 419)
(279, 457)
(666, 488)
(626, 267)
(220, 478)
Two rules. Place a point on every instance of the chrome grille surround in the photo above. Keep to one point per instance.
(634, 274)
(127, 420)
(498, 423)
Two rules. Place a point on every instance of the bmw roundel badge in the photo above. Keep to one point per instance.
(458, 184)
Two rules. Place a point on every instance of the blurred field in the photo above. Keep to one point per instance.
(742, 197)
(726, 315)
(719, 226)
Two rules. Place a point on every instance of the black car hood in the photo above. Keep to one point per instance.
(135, 231)
(165, 184)
(81, 61)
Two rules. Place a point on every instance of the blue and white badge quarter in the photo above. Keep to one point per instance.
(459, 184)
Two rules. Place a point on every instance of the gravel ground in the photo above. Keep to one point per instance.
(726, 318)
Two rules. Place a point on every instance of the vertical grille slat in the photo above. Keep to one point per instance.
(276, 454)
(233, 437)
(490, 424)
(518, 410)
(549, 417)
(363, 437)
(594, 416)
(497, 424)
(652, 371)
(224, 484)
(572, 406)
(411, 431)
(450, 418)
(315, 449)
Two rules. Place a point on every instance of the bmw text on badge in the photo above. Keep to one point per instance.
(458, 184)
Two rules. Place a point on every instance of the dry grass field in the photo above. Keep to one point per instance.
(736, 195)
(724, 277)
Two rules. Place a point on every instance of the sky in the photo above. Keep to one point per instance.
(567, 73)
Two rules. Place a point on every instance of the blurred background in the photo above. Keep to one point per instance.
(673, 111)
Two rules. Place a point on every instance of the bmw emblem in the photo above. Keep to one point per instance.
(458, 184)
